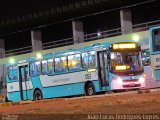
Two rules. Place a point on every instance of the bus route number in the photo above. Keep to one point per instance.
(88, 76)
(158, 59)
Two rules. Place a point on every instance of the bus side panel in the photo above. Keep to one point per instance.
(157, 74)
(36, 84)
(14, 96)
(14, 90)
(96, 85)
(67, 84)
(61, 90)
(27, 95)
(151, 81)
(48, 92)
(68, 89)
(76, 88)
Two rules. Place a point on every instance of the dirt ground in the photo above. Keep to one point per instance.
(105, 107)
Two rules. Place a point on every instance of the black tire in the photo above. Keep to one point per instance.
(90, 90)
(37, 95)
(5, 99)
(109, 92)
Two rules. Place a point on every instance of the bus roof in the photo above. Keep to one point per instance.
(95, 46)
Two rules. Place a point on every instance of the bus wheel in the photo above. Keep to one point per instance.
(5, 99)
(38, 95)
(90, 90)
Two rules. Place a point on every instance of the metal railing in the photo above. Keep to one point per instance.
(87, 37)
(58, 43)
(18, 51)
(102, 34)
(145, 26)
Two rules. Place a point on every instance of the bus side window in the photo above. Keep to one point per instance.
(37, 68)
(92, 61)
(57, 65)
(74, 62)
(156, 42)
(13, 73)
(32, 69)
(85, 60)
(63, 64)
(44, 67)
(10, 73)
(50, 66)
(88, 59)
(60, 64)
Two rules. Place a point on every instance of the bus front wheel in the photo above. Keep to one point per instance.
(38, 95)
(90, 90)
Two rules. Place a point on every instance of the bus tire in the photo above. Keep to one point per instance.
(37, 95)
(90, 90)
(5, 99)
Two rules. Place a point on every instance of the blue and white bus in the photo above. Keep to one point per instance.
(92, 69)
(154, 39)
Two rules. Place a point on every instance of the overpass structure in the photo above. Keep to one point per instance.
(144, 40)
(76, 14)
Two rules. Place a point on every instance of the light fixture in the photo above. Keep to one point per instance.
(39, 55)
(98, 34)
(11, 60)
(135, 37)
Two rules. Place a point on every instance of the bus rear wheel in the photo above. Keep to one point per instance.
(90, 90)
(38, 95)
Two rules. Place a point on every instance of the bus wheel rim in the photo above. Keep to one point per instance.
(90, 91)
(38, 97)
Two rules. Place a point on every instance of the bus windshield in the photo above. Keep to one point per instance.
(125, 62)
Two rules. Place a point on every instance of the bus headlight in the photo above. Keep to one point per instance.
(119, 80)
(141, 79)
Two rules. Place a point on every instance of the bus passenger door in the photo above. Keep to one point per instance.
(23, 72)
(102, 68)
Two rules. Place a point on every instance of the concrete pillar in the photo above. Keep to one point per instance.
(126, 21)
(2, 48)
(2, 70)
(78, 34)
(36, 38)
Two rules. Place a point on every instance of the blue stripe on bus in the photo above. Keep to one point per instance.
(56, 91)
(15, 96)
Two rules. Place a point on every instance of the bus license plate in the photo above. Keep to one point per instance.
(132, 84)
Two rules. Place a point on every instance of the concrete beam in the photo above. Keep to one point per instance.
(126, 21)
(78, 33)
(36, 38)
(2, 48)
